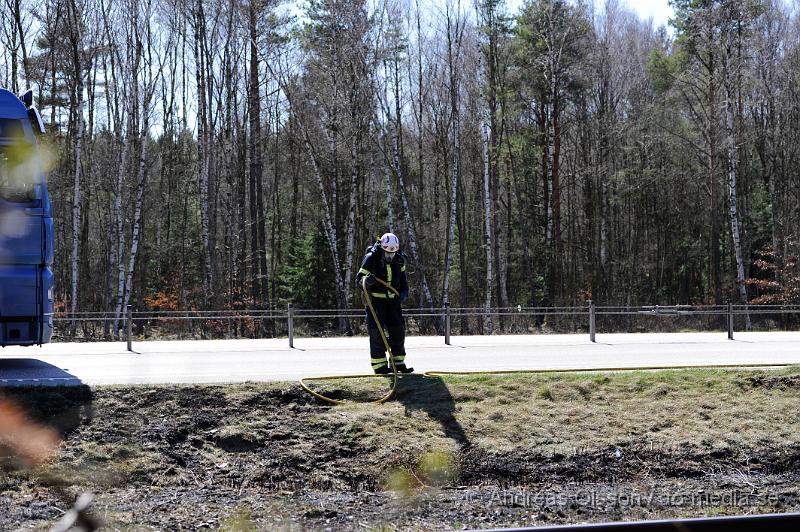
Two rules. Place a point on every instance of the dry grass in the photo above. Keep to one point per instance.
(153, 454)
(567, 412)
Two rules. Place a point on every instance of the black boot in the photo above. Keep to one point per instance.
(401, 368)
(383, 370)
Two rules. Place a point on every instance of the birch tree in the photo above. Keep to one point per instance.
(395, 46)
(455, 33)
(204, 81)
(492, 26)
(736, 20)
(117, 77)
(586, 153)
(76, 40)
(145, 82)
(488, 225)
(255, 171)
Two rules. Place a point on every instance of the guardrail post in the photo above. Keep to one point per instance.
(128, 327)
(447, 323)
(592, 326)
(291, 325)
(730, 320)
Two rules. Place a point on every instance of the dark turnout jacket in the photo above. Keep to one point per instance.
(393, 273)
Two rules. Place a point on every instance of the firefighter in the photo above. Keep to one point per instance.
(385, 262)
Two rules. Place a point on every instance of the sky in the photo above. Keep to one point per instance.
(658, 9)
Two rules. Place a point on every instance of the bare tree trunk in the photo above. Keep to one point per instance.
(12, 49)
(488, 218)
(501, 238)
(254, 113)
(20, 29)
(328, 212)
(129, 113)
(733, 169)
(556, 287)
(147, 91)
(275, 243)
(409, 217)
(492, 29)
(604, 215)
(389, 199)
(420, 112)
(776, 200)
(76, 41)
(76, 210)
(119, 111)
(453, 31)
(118, 255)
(262, 240)
(394, 163)
(715, 267)
(350, 227)
(547, 194)
(330, 230)
(204, 149)
(141, 180)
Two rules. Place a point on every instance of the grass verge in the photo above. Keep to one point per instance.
(459, 450)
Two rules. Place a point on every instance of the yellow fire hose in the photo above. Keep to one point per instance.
(393, 387)
(437, 373)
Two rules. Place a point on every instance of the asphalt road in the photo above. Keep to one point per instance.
(208, 361)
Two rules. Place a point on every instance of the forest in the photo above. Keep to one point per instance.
(235, 154)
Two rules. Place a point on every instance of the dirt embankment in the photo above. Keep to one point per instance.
(474, 452)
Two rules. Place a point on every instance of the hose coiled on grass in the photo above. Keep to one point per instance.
(394, 374)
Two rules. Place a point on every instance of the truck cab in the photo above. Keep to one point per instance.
(26, 227)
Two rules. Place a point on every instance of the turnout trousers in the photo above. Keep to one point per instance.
(390, 315)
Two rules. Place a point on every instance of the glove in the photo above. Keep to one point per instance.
(403, 296)
(370, 281)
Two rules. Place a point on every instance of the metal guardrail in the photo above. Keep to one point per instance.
(445, 314)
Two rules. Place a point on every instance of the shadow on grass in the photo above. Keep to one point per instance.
(431, 395)
(46, 394)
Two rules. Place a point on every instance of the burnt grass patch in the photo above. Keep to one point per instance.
(599, 465)
(444, 454)
(781, 382)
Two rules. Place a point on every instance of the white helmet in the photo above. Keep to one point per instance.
(390, 243)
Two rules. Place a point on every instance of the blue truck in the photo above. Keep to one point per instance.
(26, 226)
